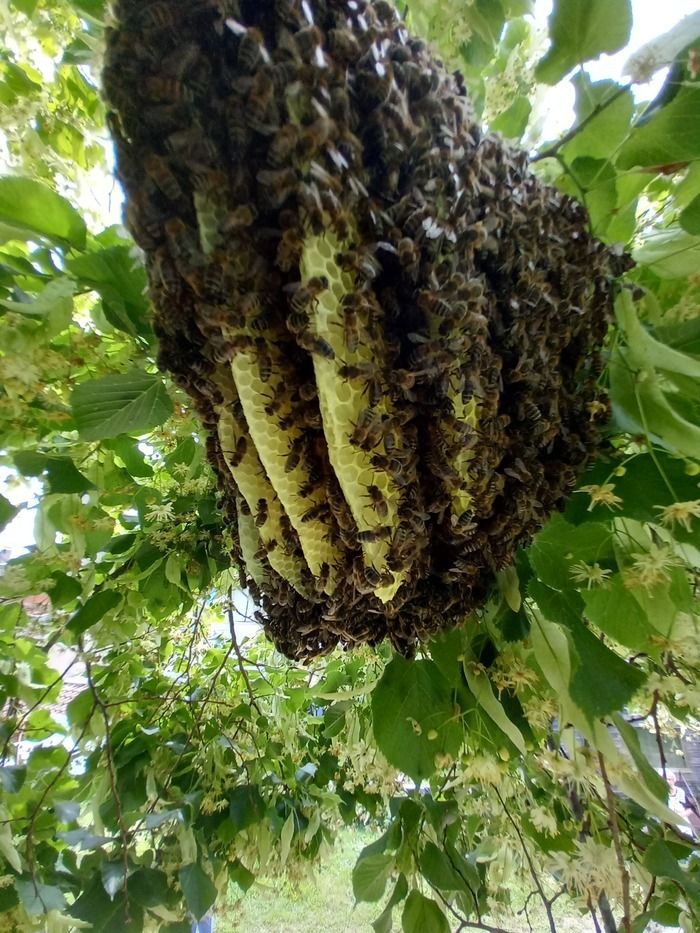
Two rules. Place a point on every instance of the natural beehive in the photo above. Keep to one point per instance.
(389, 327)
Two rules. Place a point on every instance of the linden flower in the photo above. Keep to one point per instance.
(162, 512)
(596, 408)
(590, 574)
(650, 569)
(544, 821)
(602, 495)
(681, 512)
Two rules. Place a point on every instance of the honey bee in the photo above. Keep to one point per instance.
(240, 452)
(165, 269)
(308, 42)
(319, 512)
(307, 488)
(259, 107)
(352, 330)
(371, 536)
(265, 364)
(158, 169)
(236, 127)
(314, 344)
(249, 304)
(289, 250)
(295, 451)
(181, 239)
(283, 145)
(239, 218)
(343, 45)
(305, 295)
(277, 185)
(372, 577)
(313, 138)
(531, 411)
(307, 391)
(379, 503)
(251, 48)
(261, 513)
(266, 547)
(297, 322)
(167, 89)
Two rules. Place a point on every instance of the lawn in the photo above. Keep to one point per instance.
(324, 904)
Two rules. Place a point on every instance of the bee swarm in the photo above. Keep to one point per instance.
(389, 327)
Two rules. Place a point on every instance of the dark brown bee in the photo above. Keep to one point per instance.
(297, 322)
(308, 42)
(313, 138)
(304, 295)
(239, 218)
(283, 145)
(259, 108)
(261, 513)
(369, 430)
(166, 272)
(351, 329)
(295, 451)
(380, 533)
(277, 185)
(167, 89)
(307, 488)
(319, 512)
(372, 576)
(236, 127)
(314, 344)
(307, 391)
(240, 451)
(249, 304)
(343, 45)
(267, 547)
(376, 497)
(251, 49)
(182, 240)
(265, 364)
(158, 169)
(289, 249)
(433, 304)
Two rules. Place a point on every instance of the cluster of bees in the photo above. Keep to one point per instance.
(389, 327)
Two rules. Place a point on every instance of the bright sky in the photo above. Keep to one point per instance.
(651, 19)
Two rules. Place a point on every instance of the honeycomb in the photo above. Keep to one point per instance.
(389, 328)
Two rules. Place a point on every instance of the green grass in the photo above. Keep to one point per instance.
(324, 903)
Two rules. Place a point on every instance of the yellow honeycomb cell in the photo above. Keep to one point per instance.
(342, 402)
(249, 539)
(254, 485)
(274, 447)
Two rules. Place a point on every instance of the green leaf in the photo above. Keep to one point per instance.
(617, 613)
(126, 448)
(422, 915)
(94, 609)
(383, 922)
(581, 30)
(560, 545)
(39, 898)
(480, 685)
(64, 477)
(7, 512)
(241, 876)
(12, 777)
(605, 131)
(656, 784)
(512, 123)
(672, 135)
(690, 217)
(414, 717)
(659, 860)
(198, 888)
(246, 806)
(112, 877)
(438, 871)
(132, 403)
(29, 209)
(105, 914)
(149, 887)
(601, 681)
(370, 875)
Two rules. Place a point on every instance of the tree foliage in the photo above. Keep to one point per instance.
(149, 759)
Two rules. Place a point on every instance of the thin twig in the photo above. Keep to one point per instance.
(615, 830)
(535, 877)
(553, 150)
(657, 732)
(236, 648)
(111, 770)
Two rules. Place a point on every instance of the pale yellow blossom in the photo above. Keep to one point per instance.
(602, 495)
(680, 512)
(590, 574)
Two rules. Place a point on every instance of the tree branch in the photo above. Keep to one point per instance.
(535, 877)
(236, 648)
(553, 150)
(615, 830)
